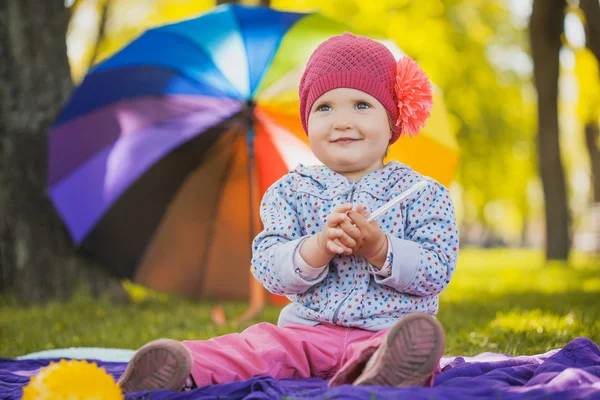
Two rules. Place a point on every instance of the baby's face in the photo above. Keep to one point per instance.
(349, 132)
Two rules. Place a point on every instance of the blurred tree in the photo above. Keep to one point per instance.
(37, 258)
(588, 110)
(546, 28)
(592, 134)
(591, 10)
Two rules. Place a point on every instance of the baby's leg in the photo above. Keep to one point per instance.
(294, 351)
(407, 355)
(160, 364)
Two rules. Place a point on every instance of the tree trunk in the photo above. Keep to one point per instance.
(592, 132)
(36, 255)
(545, 29)
(591, 9)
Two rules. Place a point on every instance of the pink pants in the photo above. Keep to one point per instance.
(293, 351)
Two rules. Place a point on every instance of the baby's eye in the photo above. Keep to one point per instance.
(362, 105)
(324, 107)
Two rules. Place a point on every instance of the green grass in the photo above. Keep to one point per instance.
(499, 300)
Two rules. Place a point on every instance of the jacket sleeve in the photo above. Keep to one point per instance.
(274, 248)
(425, 259)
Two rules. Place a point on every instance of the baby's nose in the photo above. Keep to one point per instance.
(342, 122)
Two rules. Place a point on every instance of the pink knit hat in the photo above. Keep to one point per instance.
(357, 62)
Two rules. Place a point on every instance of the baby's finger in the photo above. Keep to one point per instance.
(334, 233)
(350, 229)
(336, 219)
(346, 250)
(343, 208)
(335, 248)
(347, 241)
(362, 210)
(360, 221)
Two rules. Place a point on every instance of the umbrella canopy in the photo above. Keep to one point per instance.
(158, 159)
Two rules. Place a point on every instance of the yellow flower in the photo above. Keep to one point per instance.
(72, 380)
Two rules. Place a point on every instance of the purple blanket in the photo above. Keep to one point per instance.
(570, 373)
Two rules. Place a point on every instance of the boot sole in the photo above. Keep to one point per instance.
(158, 365)
(410, 355)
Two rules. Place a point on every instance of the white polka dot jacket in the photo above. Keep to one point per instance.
(349, 291)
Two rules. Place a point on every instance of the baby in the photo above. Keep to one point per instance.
(363, 294)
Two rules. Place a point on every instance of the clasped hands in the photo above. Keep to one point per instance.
(347, 231)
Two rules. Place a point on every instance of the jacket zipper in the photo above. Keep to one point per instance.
(337, 310)
(352, 194)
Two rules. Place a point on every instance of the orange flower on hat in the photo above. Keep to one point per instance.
(415, 100)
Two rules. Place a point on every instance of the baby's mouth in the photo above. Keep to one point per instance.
(345, 141)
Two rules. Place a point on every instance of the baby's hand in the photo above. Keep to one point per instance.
(333, 239)
(371, 238)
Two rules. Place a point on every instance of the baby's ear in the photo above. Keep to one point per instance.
(392, 124)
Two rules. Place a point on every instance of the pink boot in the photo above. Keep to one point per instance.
(408, 356)
(160, 364)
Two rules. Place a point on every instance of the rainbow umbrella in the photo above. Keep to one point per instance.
(158, 160)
